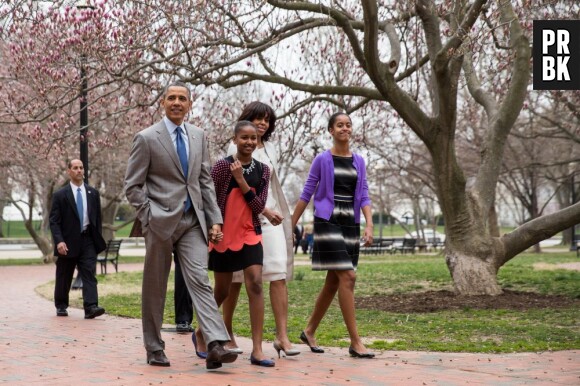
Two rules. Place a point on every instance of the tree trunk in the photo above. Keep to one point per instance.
(109, 213)
(492, 222)
(471, 253)
(5, 193)
(564, 198)
(534, 209)
(43, 243)
(474, 257)
(472, 275)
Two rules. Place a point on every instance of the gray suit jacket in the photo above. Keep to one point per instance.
(156, 186)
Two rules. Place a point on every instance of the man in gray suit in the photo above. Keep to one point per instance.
(168, 181)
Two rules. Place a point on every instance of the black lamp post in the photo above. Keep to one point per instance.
(84, 124)
(84, 118)
(84, 142)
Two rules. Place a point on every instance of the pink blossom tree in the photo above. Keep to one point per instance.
(46, 48)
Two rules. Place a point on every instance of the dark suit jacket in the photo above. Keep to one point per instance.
(65, 223)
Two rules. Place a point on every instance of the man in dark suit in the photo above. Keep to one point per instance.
(298, 231)
(75, 223)
(169, 184)
(182, 302)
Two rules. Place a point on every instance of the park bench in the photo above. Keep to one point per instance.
(422, 246)
(110, 254)
(372, 249)
(435, 242)
(378, 247)
(408, 245)
(386, 245)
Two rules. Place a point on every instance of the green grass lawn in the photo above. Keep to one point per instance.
(467, 330)
(16, 229)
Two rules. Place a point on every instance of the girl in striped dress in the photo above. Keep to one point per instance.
(337, 179)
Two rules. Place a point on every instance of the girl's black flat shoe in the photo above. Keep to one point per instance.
(355, 354)
(314, 349)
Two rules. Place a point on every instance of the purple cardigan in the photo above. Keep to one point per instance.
(322, 175)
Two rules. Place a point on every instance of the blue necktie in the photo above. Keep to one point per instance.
(182, 154)
(80, 206)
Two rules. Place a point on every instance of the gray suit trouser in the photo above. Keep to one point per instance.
(191, 248)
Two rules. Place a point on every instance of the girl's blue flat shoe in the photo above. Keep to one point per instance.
(263, 362)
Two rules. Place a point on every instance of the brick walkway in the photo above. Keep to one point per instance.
(38, 348)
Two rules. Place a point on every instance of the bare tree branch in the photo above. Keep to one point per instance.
(537, 230)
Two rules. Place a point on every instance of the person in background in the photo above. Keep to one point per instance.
(75, 224)
(306, 238)
(310, 242)
(337, 179)
(241, 185)
(181, 301)
(298, 231)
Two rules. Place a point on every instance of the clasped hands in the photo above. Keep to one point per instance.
(274, 217)
(215, 233)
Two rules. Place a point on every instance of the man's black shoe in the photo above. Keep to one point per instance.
(93, 312)
(157, 358)
(183, 328)
(217, 355)
(61, 312)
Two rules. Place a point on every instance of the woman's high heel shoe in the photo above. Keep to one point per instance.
(314, 349)
(355, 354)
(201, 354)
(289, 353)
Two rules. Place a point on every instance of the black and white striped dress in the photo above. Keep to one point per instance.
(336, 242)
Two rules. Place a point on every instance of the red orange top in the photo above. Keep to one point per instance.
(238, 227)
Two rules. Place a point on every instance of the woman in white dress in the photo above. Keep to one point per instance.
(276, 234)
